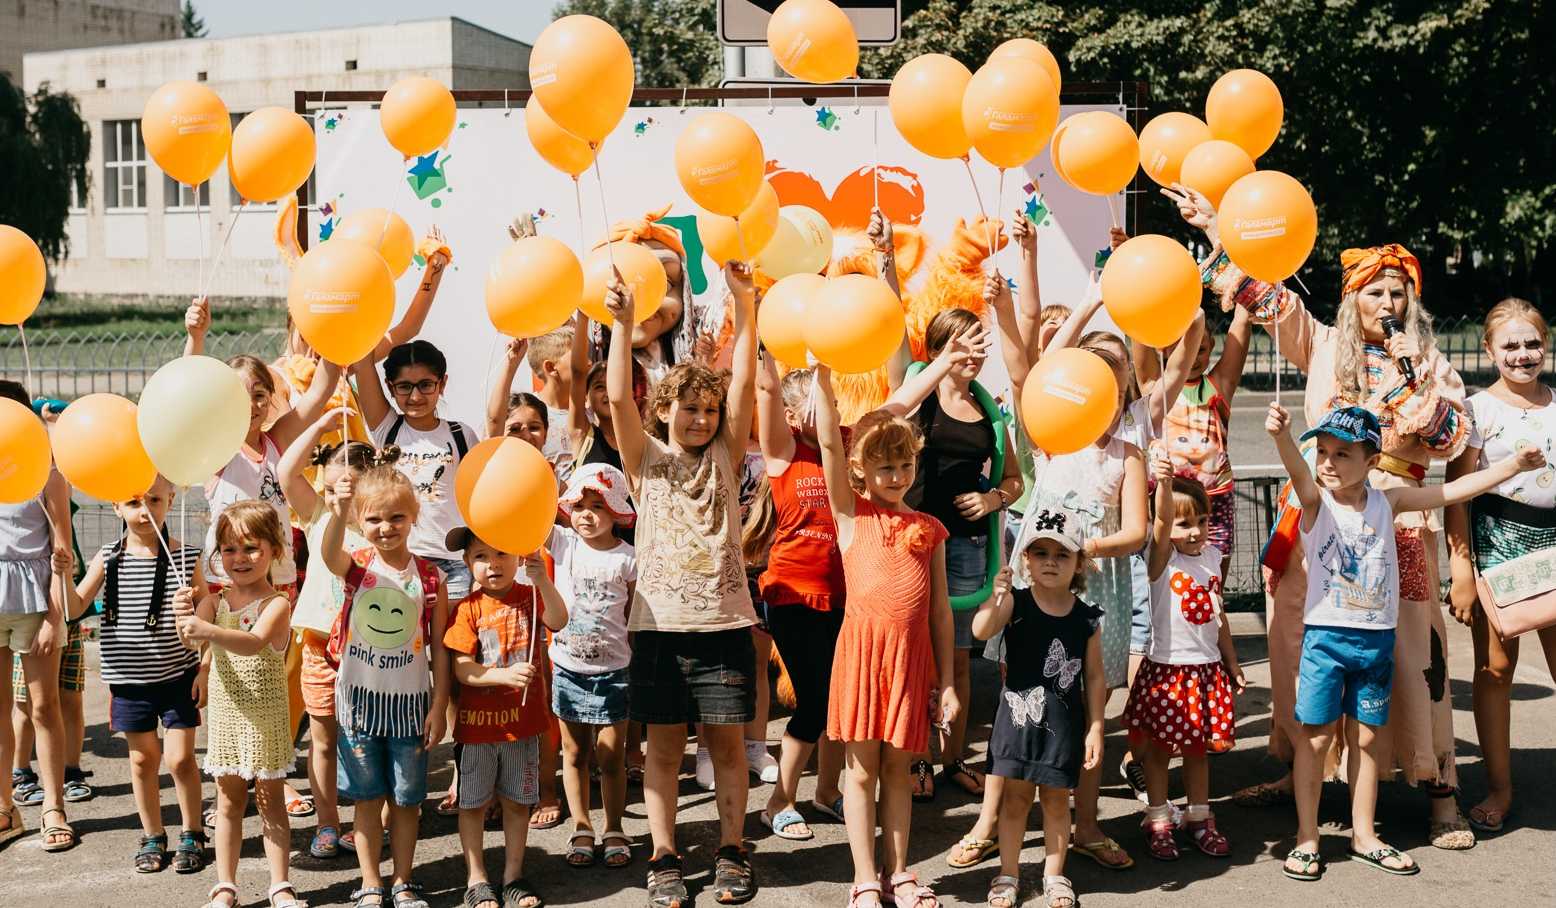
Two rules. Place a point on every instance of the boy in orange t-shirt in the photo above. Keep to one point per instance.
(500, 720)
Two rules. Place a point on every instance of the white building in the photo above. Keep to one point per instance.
(38, 25)
(136, 232)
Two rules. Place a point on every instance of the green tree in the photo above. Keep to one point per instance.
(44, 146)
(675, 43)
(193, 22)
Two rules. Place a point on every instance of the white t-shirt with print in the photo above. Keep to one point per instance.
(1134, 425)
(429, 460)
(1352, 565)
(558, 446)
(243, 479)
(1186, 610)
(1502, 430)
(593, 583)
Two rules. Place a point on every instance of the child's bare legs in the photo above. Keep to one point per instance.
(367, 826)
(1373, 744)
(42, 674)
(515, 836)
(270, 797)
(7, 733)
(1495, 662)
(756, 729)
(232, 799)
(1196, 779)
(548, 812)
(1014, 805)
(74, 726)
(610, 755)
(577, 748)
(666, 746)
(472, 828)
(1087, 829)
(1307, 784)
(321, 769)
(145, 770)
(178, 754)
(864, 771)
(21, 731)
(952, 745)
(1155, 760)
(896, 815)
(987, 826)
(402, 839)
(1056, 828)
(732, 779)
(635, 758)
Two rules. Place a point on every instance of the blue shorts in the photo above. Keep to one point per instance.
(1345, 670)
(369, 767)
(456, 578)
(966, 566)
(589, 699)
(140, 707)
(1140, 609)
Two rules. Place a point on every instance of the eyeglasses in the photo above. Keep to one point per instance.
(426, 386)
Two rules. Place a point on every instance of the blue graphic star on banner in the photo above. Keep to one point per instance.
(1031, 208)
(426, 168)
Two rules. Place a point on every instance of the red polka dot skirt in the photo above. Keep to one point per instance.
(1182, 708)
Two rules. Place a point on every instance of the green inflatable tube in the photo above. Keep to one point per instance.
(996, 468)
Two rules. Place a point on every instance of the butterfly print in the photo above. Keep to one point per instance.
(1059, 665)
(1027, 709)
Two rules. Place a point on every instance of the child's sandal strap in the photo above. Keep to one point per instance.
(284, 886)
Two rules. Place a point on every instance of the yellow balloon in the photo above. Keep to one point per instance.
(187, 131)
(341, 299)
(780, 319)
(1035, 51)
(383, 230)
(506, 492)
(1100, 152)
(533, 287)
(1151, 288)
(417, 115)
(581, 70)
(925, 101)
(756, 227)
(98, 449)
(24, 452)
(802, 244)
(22, 276)
(192, 418)
(855, 324)
(813, 40)
(1009, 110)
(641, 271)
(1268, 225)
(561, 149)
(272, 154)
(719, 161)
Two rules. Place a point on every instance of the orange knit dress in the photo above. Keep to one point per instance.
(882, 667)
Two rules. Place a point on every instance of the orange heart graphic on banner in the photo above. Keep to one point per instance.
(849, 204)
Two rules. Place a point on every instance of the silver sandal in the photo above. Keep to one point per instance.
(1004, 892)
(1058, 892)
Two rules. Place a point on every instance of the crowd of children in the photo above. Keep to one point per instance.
(338, 582)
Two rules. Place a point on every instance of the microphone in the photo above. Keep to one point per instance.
(1391, 327)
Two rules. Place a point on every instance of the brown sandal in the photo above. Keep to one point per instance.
(62, 829)
(923, 781)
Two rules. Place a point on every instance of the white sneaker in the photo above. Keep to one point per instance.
(762, 764)
(704, 769)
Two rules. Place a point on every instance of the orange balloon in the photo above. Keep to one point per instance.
(925, 101)
(1245, 107)
(813, 40)
(1070, 398)
(383, 230)
(1053, 149)
(22, 276)
(1212, 167)
(97, 448)
(506, 491)
(1035, 51)
(581, 71)
(1100, 152)
(417, 115)
(1268, 225)
(533, 287)
(1009, 110)
(756, 227)
(641, 271)
(780, 319)
(1151, 287)
(720, 163)
(341, 298)
(187, 131)
(854, 324)
(272, 154)
(24, 453)
(561, 149)
(1165, 141)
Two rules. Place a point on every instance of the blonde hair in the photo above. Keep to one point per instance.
(760, 525)
(247, 520)
(1349, 364)
(549, 347)
(1514, 309)
(383, 484)
(881, 436)
(685, 382)
(1111, 348)
(796, 388)
(1053, 312)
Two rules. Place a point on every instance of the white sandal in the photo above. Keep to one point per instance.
(1006, 890)
(859, 889)
(1058, 887)
(277, 889)
(222, 887)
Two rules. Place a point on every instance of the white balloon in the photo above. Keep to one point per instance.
(193, 416)
(802, 244)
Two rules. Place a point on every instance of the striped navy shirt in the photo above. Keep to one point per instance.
(133, 652)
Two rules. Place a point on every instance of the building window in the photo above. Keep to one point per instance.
(200, 76)
(78, 196)
(351, 66)
(102, 83)
(178, 197)
(124, 165)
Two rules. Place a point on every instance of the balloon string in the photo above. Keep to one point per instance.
(382, 231)
(578, 204)
(610, 253)
(183, 536)
(1275, 334)
(205, 284)
(999, 206)
(966, 162)
(1033, 502)
(875, 143)
(27, 362)
(1112, 215)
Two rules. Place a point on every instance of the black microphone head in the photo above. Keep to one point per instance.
(1392, 325)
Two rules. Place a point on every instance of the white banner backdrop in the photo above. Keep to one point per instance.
(488, 174)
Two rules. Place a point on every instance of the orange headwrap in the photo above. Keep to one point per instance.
(647, 228)
(1361, 266)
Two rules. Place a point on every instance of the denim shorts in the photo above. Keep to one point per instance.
(966, 567)
(510, 769)
(678, 677)
(1345, 670)
(1140, 609)
(456, 578)
(369, 767)
(589, 699)
(140, 707)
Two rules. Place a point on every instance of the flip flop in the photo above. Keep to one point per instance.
(982, 849)
(923, 781)
(1482, 818)
(1312, 866)
(535, 822)
(1096, 850)
(834, 811)
(1376, 857)
(297, 808)
(783, 822)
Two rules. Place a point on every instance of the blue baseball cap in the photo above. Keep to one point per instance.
(1349, 424)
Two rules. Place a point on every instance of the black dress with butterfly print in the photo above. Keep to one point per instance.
(1040, 727)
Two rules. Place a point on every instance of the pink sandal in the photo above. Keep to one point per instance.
(1207, 838)
(923, 896)
(857, 891)
(1162, 845)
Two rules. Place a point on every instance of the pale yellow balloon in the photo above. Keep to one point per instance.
(802, 244)
(193, 417)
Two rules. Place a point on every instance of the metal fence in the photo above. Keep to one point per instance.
(70, 364)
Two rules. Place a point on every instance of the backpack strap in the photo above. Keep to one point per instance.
(111, 560)
(430, 584)
(394, 429)
(460, 444)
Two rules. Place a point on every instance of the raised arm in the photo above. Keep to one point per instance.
(410, 324)
(1161, 525)
(914, 391)
(1278, 424)
(1472, 485)
(1029, 298)
(1013, 348)
(881, 238)
(625, 418)
(332, 547)
(1132, 517)
(834, 456)
(772, 429)
(1166, 391)
(740, 407)
(309, 407)
(296, 459)
(1074, 327)
(370, 392)
(497, 400)
(197, 322)
(577, 390)
(1227, 374)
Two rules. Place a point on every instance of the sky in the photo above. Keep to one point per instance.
(521, 19)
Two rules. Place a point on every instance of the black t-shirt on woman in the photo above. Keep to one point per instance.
(955, 456)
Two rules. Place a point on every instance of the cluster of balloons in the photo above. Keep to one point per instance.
(852, 323)
(188, 132)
